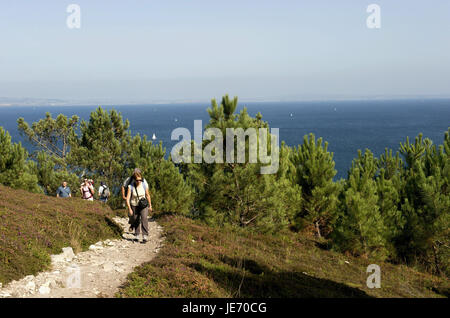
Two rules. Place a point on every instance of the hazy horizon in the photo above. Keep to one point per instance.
(32, 102)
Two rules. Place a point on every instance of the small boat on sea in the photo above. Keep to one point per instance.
(154, 136)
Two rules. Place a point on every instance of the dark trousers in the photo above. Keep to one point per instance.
(139, 219)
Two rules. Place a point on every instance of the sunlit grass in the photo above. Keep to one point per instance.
(201, 261)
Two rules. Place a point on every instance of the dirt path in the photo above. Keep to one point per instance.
(97, 272)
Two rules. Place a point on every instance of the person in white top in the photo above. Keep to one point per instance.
(87, 190)
(137, 191)
(103, 192)
(125, 185)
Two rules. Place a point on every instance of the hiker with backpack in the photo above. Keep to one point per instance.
(87, 190)
(103, 192)
(125, 185)
(139, 204)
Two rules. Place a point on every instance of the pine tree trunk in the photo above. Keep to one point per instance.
(436, 261)
(318, 229)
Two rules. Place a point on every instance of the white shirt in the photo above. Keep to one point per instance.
(100, 190)
(136, 194)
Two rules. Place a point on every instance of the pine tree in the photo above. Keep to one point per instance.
(388, 203)
(313, 172)
(237, 193)
(15, 170)
(360, 228)
(50, 178)
(425, 204)
(103, 147)
(51, 135)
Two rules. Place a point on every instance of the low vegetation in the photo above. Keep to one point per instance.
(202, 261)
(34, 226)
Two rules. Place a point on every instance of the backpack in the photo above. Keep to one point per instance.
(105, 193)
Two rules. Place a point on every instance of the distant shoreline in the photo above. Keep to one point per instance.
(42, 103)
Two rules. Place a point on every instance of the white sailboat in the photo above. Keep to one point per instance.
(154, 136)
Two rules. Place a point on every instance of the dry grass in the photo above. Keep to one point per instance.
(201, 261)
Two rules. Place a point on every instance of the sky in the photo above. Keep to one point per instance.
(144, 51)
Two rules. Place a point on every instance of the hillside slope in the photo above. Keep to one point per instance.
(34, 226)
(201, 261)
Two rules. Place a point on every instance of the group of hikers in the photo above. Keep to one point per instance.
(135, 193)
(87, 191)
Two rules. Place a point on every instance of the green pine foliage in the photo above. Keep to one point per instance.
(241, 196)
(426, 205)
(52, 138)
(388, 203)
(392, 165)
(102, 149)
(389, 184)
(50, 178)
(51, 135)
(313, 171)
(360, 228)
(237, 194)
(15, 170)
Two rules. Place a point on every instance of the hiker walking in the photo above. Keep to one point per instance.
(87, 190)
(103, 192)
(139, 203)
(125, 185)
(63, 191)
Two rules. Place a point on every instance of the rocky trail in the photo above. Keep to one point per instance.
(97, 272)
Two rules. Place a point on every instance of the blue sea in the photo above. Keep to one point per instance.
(346, 125)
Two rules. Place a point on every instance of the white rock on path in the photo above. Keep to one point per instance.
(108, 267)
(30, 286)
(57, 258)
(68, 253)
(44, 290)
(95, 247)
